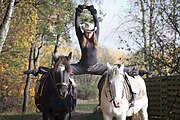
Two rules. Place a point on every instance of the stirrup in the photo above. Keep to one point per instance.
(98, 108)
(132, 102)
(37, 110)
(131, 105)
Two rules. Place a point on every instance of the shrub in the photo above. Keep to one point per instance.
(87, 92)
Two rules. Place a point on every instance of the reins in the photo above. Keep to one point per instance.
(56, 84)
(110, 91)
(44, 82)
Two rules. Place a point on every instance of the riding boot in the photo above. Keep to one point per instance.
(144, 72)
(35, 72)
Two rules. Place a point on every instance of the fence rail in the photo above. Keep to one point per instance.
(164, 98)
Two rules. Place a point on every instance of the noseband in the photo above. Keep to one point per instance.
(110, 91)
(61, 80)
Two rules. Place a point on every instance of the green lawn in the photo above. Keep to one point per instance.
(86, 105)
(89, 106)
(18, 116)
(82, 106)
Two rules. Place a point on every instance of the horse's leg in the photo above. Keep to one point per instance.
(107, 117)
(67, 116)
(143, 112)
(46, 115)
(122, 117)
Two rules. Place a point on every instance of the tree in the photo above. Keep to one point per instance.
(4, 26)
(30, 21)
(154, 27)
(27, 86)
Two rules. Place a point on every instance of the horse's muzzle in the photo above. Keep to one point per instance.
(116, 102)
(63, 93)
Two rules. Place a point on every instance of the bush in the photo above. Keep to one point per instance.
(87, 92)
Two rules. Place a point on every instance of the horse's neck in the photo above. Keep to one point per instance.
(50, 80)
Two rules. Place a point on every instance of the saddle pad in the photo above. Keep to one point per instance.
(127, 91)
(135, 86)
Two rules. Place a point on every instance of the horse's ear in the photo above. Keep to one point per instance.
(69, 56)
(55, 57)
(109, 66)
(121, 69)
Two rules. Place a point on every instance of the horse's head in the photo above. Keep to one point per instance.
(114, 82)
(61, 74)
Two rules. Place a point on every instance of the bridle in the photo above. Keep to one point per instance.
(62, 82)
(110, 90)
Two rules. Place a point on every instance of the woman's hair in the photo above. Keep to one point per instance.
(94, 40)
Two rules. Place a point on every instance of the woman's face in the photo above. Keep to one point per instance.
(88, 34)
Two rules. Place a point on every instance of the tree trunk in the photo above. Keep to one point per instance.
(56, 49)
(151, 32)
(37, 52)
(144, 30)
(26, 89)
(4, 27)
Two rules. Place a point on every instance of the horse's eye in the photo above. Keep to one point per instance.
(110, 82)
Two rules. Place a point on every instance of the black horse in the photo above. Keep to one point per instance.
(55, 98)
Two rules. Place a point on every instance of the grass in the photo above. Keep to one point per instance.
(18, 116)
(88, 106)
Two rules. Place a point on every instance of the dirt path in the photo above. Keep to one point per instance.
(75, 116)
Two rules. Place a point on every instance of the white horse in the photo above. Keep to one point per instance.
(114, 96)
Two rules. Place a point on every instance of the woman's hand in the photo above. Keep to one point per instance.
(80, 8)
(92, 9)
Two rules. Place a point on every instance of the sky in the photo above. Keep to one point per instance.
(115, 12)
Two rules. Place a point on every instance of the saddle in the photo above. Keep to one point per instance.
(133, 87)
(39, 87)
(38, 93)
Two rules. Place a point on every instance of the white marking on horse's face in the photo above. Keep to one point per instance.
(62, 68)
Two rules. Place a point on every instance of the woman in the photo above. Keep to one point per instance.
(87, 36)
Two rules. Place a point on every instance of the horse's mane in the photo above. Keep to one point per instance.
(62, 60)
